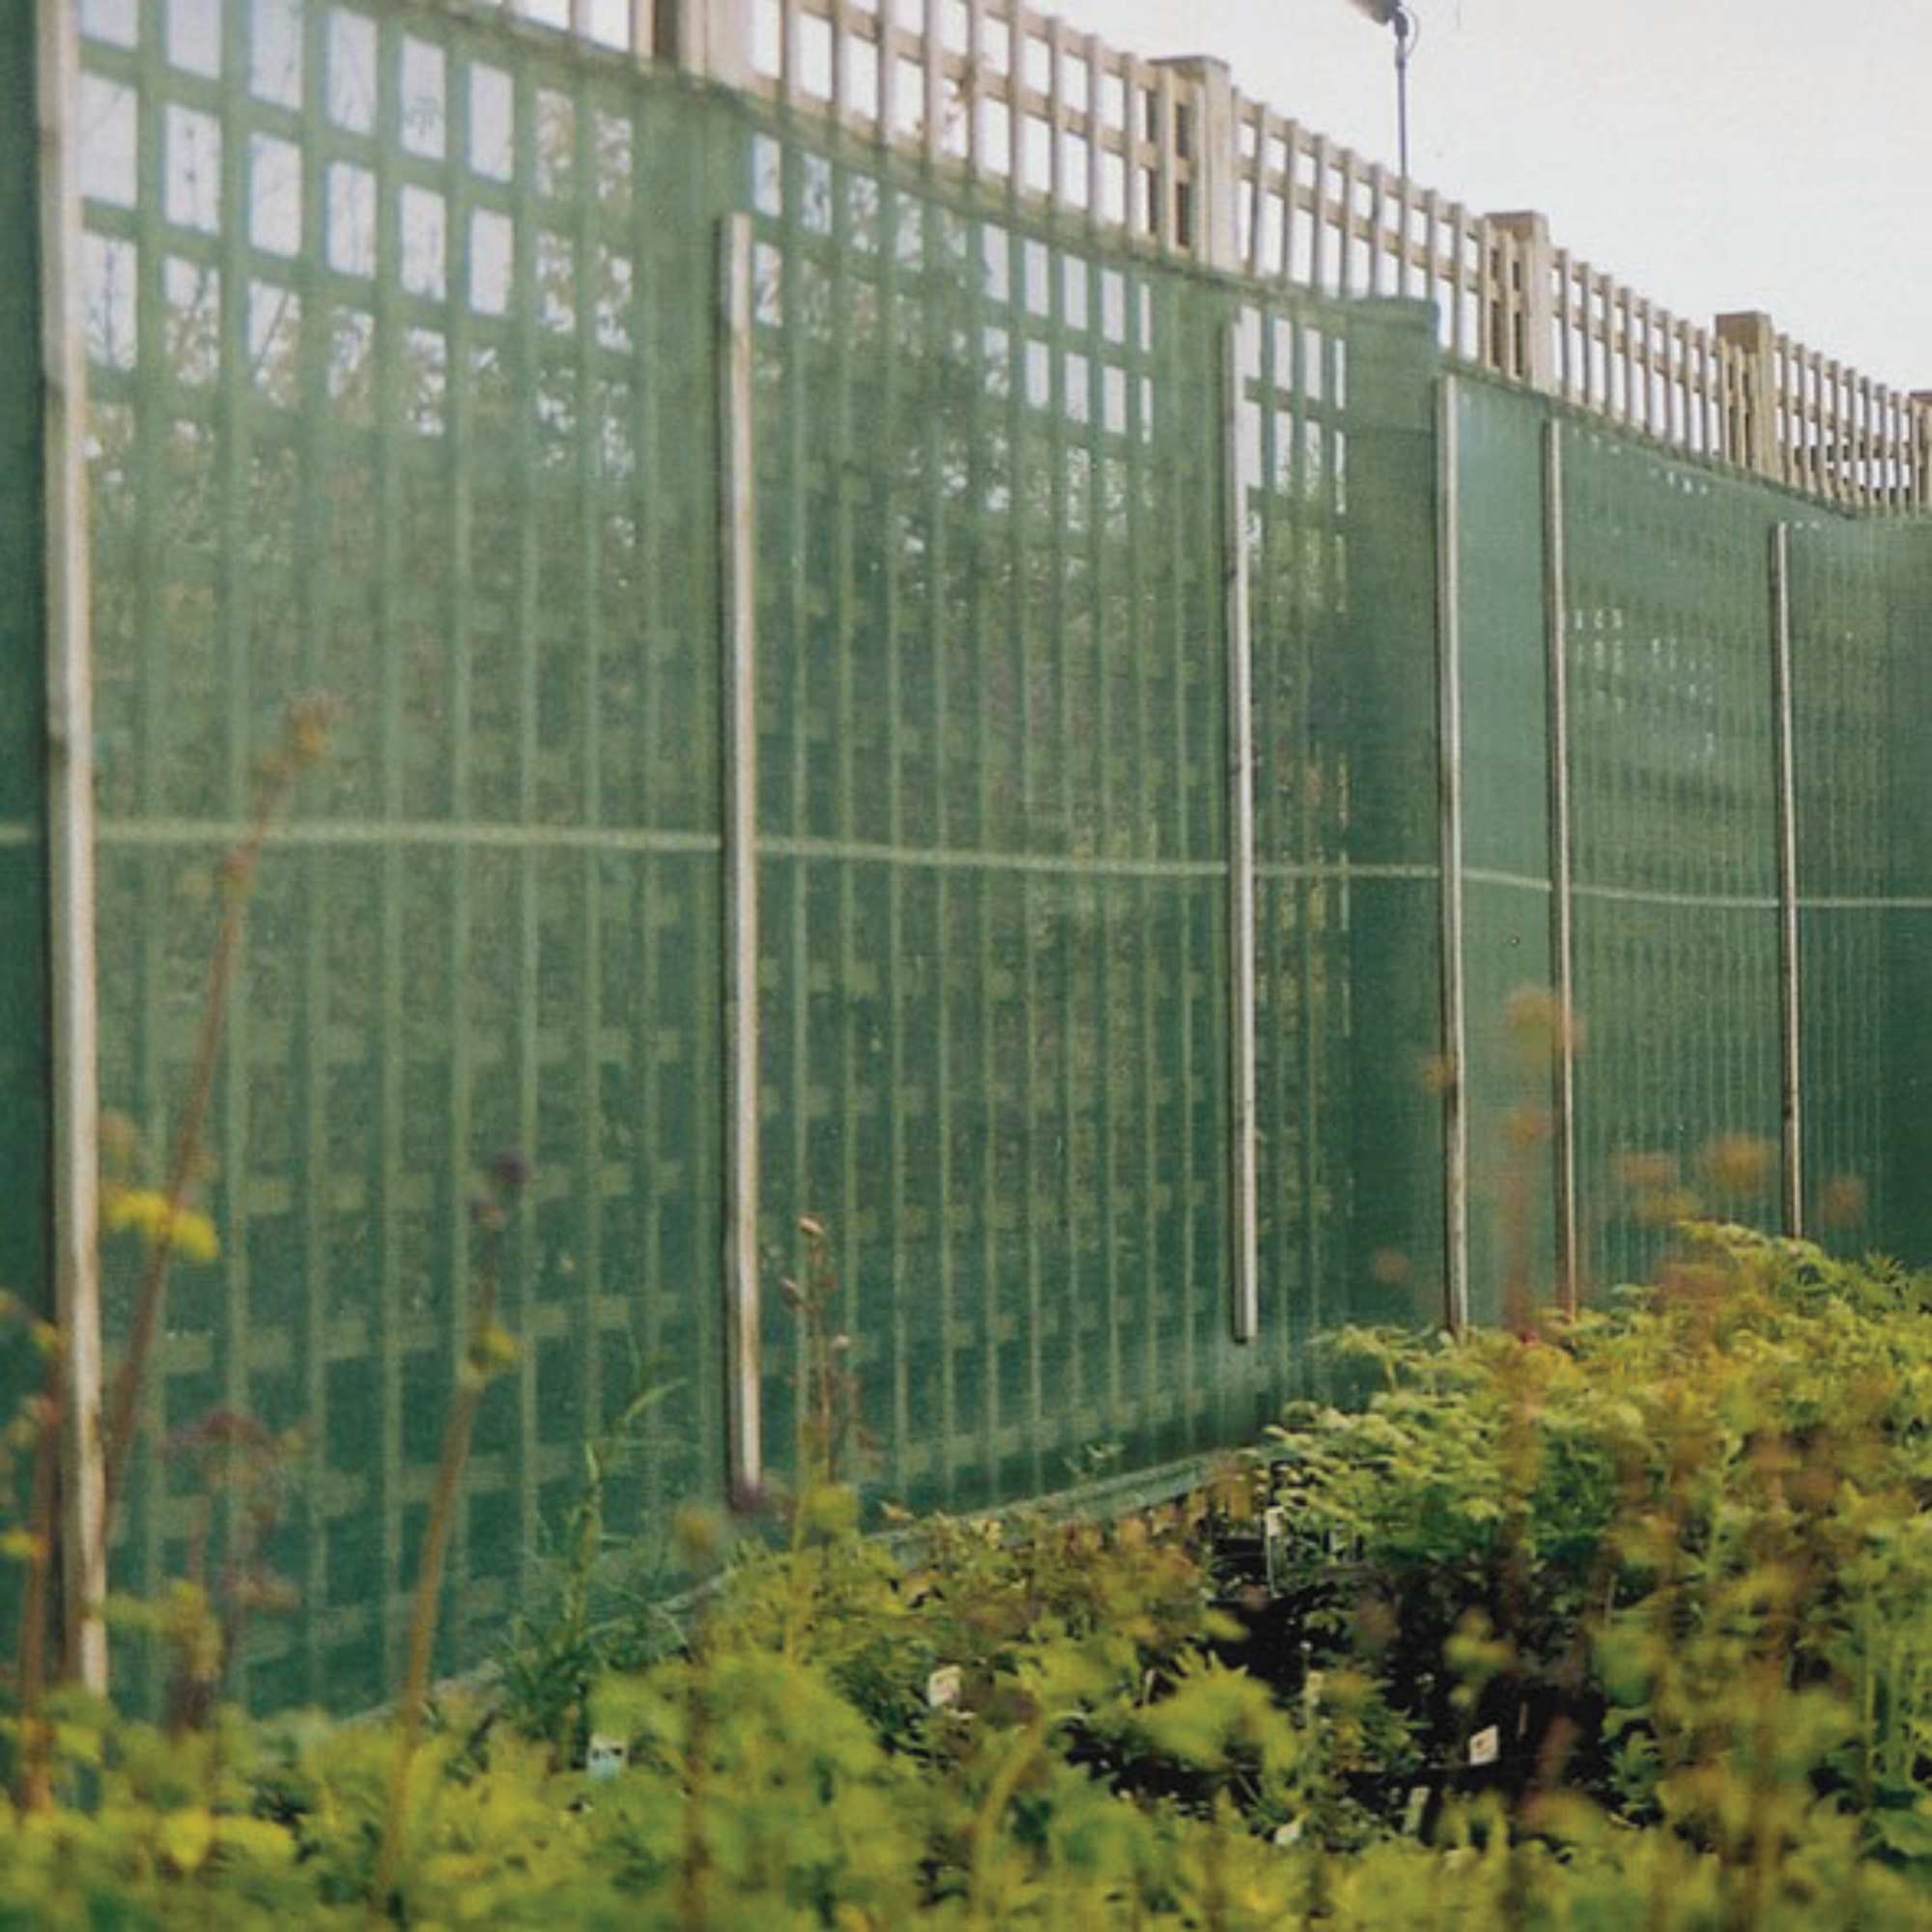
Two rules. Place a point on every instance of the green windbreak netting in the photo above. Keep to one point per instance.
(405, 350)
(1511, 1025)
(405, 358)
(993, 870)
(1904, 556)
(1861, 640)
(25, 1149)
(1846, 770)
(993, 819)
(400, 343)
(1672, 721)
(1337, 454)
(1674, 837)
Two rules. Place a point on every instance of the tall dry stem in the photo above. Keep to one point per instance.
(490, 1351)
(304, 739)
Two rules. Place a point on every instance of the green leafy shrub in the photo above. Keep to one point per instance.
(1669, 1559)
(1672, 1555)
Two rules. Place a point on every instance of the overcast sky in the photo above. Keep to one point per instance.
(1714, 153)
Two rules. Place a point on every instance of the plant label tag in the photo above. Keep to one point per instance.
(1412, 1813)
(1275, 1546)
(1486, 1746)
(943, 1688)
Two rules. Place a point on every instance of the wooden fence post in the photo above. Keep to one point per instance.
(1921, 485)
(712, 38)
(46, 422)
(1211, 209)
(1522, 330)
(1751, 430)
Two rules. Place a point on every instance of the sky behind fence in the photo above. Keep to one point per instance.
(1715, 156)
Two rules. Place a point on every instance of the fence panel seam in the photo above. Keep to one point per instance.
(1241, 840)
(738, 628)
(1455, 1030)
(1791, 1166)
(1561, 908)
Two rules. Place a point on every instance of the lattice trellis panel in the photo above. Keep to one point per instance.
(993, 861)
(401, 362)
(1674, 788)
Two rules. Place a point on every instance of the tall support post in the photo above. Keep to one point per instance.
(69, 823)
(1918, 494)
(1792, 1166)
(712, 38)
(1755, 434)
(1562, 929)
(1454, 1019)
(1524, 338)
(1240, 839)
(1212, 212)
(644, 29)
(738, 712)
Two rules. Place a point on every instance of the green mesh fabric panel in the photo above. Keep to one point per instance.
(404, 358)
(1862, 626)
(25, 1152)
(1674, 831)
(23, 988)
(1383, 675)
(992, 822)
(1335, 459)
(401, 356)
(1293, 475)
(1845, 774)
(1506, 844)
(993, 855)
(1673, 789)
(1904, 556)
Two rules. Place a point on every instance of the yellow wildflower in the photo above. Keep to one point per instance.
(190, 1233)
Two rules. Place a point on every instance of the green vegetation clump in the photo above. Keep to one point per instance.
(1652, 1582)
(1622, 1621)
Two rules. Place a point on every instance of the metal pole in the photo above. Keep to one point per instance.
(1454, 1027)
(1402, 52)
(1241, 840)
(1562, 948)
(1787, 883)
(69, 672)
(737, 615)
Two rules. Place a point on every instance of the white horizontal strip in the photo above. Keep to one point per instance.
(1076, 866)
(1703, 901)
(1864, 905)
(1288, 868)
(326, 831)
(967, 858)
(449, 835)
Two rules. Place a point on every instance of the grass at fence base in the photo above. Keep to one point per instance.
(1624, 1621)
